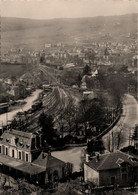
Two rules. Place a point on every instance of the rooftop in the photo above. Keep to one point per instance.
(20, 139)
(111, 161)
(19, 133)
(41, 164)
(25, 167)
(47, 161)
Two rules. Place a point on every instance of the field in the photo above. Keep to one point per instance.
(12, 70)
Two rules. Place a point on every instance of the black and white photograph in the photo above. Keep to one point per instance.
(69, 97)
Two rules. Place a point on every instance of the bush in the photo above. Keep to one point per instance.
(130, 149)
(76, 174)
(68, 138)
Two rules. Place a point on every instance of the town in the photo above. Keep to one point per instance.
(68, 115)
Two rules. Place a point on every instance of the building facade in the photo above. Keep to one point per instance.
(24, 154)
(111, 169)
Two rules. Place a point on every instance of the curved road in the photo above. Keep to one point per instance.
(119, 136)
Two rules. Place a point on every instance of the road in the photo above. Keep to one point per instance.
(72, 155)
(10, 115)
(118, 137)
(125, 127)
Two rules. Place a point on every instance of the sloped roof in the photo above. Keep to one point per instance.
(19, 133)
(25, 167)
(24, 138)
(41, 164)
(111, 161)
(41, 160)
(53, 162)
(47, 161)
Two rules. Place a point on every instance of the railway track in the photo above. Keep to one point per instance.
(53, 104)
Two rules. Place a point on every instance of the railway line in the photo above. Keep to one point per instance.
(53, 103)
(50, 77)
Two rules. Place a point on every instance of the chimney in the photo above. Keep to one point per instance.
(87, 157)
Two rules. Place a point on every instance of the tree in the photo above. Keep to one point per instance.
(102, 80)
(70, 115)
(1, 88)
(61, 122)
(3, 98)
(47, 124)
(83, 158)
(79, 80)
(13, 79)
(95, 146)
(92, 112)
(14, 124)
(90, 55)
(42, 59)
(87, 70)
(119, 137)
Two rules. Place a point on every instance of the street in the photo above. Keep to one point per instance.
(124, 128)
(72, 155)
(118, 137)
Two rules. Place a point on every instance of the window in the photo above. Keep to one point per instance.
(124, 169)
(26, 157)
(7, 140)
(6, 151)
(20, 155)
(13, 153)
(3, 149)
(124, 178)
(112, 180)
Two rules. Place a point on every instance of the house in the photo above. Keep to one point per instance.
(110, 169)
(84, 86)
(46, 87)
(8, 81)
(47, 45)
(24, 154)
(83, 83)
(14, 91)
(19, 90)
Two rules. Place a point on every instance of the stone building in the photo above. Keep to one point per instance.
(24, 154)
(115, 168)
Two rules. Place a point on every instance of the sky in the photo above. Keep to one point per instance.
(48, 9)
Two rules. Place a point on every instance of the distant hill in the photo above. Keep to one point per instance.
(35, 33)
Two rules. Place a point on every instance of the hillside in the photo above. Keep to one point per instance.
(35, 33)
